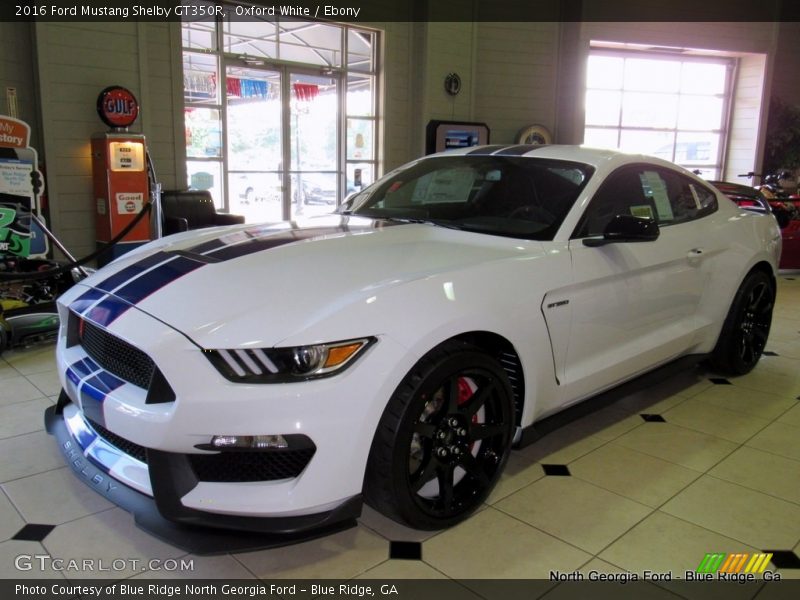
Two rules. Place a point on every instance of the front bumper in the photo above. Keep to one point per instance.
(164, 516)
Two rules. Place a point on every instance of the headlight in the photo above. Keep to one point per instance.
(282, 365)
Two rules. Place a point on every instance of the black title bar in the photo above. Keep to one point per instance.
(376, 11)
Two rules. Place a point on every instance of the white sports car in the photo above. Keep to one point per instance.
(270, 377)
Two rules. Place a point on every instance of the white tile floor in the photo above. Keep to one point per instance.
(721, 474)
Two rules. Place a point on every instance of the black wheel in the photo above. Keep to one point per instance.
(443, 439)
(746, 328)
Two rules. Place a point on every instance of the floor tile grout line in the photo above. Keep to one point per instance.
(722, 438)
(539, 462)
(94, 514)
(663, 504)
(759, 389)
(687, 429)
(19, 435)
(4, 404)
(747, 487)
(740, 412)
(677, 464)
(540, 530)
(235, 556)
(591, 483)
(33, 474)
(772, 452)
(659, 507)
(13, 505)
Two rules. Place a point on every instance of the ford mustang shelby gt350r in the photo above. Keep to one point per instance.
(269, 377)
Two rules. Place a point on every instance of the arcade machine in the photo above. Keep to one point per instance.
(124, 192)
(27, 308)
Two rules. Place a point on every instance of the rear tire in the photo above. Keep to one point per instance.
(443, 439)
(746, 328)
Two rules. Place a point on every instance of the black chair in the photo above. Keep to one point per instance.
(192, 209)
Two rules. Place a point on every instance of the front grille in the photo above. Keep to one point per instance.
(131, 449)
(116, 356)
(267, 465)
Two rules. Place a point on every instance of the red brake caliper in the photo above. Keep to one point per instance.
(465, 393)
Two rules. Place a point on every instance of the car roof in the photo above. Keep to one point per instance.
(584, 154)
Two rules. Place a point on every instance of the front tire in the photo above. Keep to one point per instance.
(443, 439)
(746, 328)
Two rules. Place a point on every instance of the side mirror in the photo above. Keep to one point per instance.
(626, 228)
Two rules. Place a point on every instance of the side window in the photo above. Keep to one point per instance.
(627, 192)
(688, 199)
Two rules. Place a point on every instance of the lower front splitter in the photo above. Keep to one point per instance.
(208, 533)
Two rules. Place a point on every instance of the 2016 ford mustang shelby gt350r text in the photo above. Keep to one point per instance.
(270, 377)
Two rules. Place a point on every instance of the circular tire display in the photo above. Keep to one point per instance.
(443, 439)
(746, 328)
(535, 134)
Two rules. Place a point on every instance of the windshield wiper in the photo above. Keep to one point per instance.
(418, 220)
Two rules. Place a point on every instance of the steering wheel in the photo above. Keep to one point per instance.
(531, 212)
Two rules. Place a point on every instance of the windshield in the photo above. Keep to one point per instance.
(499, 195)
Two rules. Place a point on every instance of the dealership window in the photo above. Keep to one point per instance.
(659, 104)
(281, 116)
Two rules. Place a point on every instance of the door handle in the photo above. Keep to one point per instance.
(694, 255)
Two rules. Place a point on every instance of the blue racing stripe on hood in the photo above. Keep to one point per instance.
(273, 241)
(136, 282)
(149, 283)
(107, 311)
(86, 300)
(129, 272)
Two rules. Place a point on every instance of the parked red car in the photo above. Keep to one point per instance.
(786, 211)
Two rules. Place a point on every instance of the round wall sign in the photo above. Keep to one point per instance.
(452, 84)
(535, 134)
(117, 106)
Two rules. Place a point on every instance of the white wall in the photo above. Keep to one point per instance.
(516, 74)
(748, 121)
(16, 71)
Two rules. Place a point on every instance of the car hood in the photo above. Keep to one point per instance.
(253, 286)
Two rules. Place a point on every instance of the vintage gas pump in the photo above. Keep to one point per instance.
(119, 168)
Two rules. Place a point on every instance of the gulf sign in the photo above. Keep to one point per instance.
(117, 106)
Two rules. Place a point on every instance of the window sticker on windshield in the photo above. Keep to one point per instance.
(394, 187)
(642, 210)
(655, 187)
(450, 185)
